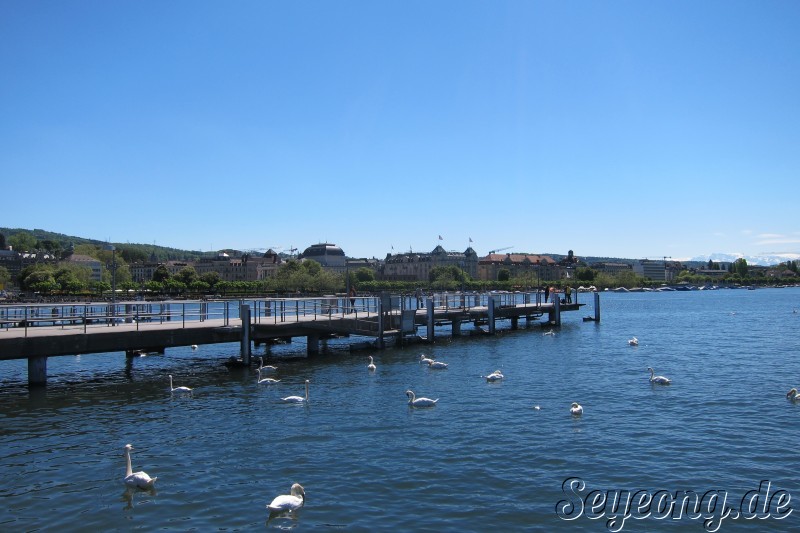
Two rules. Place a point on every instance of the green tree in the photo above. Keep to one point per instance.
(161, 274)
(199, 286)
(449, 272)
(50, 246)
(99, 287)
(174, 286)
(740, 267)
(211, 279)
(503, 274)
(69, 282)
(187, 275)
(585, 274)
(22, 242)
(5, 276)
(133, 255)
(365, 274)
(311, 267)
(154, 286)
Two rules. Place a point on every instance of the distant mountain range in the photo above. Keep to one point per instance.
(758, 260)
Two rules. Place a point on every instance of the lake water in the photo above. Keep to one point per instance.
(483, 458)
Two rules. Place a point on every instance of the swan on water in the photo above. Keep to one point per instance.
(423, 359)
(413, 401)
(437, 364)
(633, 342)
(265, 380)
(371, 366)
(177, 389)
(289, 502)
(576, 409)
(297, 399)
(793, 395)
(136, 479)
(551, 332)
(495, 376)
(661, 380)
(194, 346)
(262, 366)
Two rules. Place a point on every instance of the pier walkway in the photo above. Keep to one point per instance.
(36, 332)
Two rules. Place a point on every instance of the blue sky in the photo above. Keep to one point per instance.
(620, 128)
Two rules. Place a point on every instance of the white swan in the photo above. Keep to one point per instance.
(136, 479)
(413, 401)
(576, 409)
(297, 399)
(661, 380)
(633, 342)
(289, 502)
(423, 359)
(793, 395)
(265, 380)
(194, 346)
(495, 376)
(437, 364)
(262, 366)
(371, 366)
(177, 389)
(551, 332)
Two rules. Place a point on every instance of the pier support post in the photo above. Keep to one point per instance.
(597, 307)
(556, 316)
(312, 347)
(490, 314)
(381, 325)
(37, 371)
(456, 327)
(514, 322)
(429, 310)
(244, 313)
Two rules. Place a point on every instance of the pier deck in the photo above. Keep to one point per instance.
(38, 332)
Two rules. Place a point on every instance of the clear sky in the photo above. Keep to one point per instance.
(612, 128)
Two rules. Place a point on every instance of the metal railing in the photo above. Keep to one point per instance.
(140, 314)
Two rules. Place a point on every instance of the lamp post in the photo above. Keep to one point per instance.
(113, 250)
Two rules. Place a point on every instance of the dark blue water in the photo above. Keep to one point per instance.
(483, 458)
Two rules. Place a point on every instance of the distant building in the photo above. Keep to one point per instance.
(413, 266)
(611, 267)
(537, 267)
(650, 269)
(244, 268)
(87, 261)
(328, 255)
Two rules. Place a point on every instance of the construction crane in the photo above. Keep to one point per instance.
(500, 249)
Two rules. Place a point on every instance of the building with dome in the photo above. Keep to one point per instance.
(329, 256)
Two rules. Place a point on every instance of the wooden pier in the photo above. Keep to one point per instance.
(36, 332)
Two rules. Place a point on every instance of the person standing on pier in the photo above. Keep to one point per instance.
(352, 298)
(568, 294)
(546, 293)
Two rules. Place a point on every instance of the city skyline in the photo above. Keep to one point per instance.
(613, 129)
